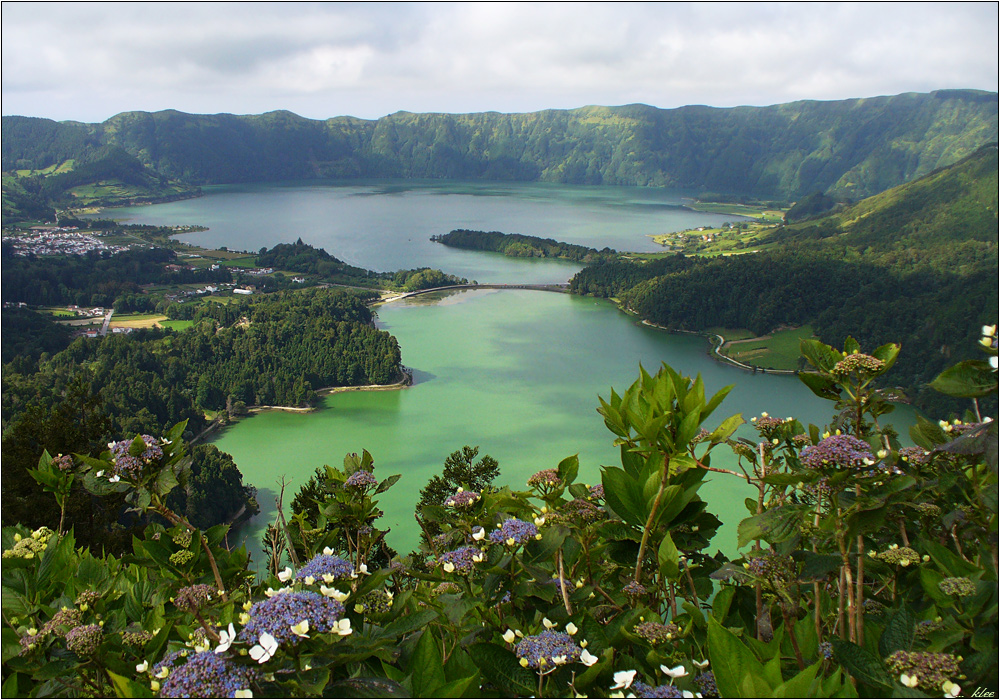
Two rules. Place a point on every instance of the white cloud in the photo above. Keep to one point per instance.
(87, 61)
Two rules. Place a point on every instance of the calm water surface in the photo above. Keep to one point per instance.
(517, 373)
(387, 226)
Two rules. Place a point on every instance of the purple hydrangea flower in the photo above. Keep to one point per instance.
(461, 558)
(203, 675)
(128, 467)
(707, 685)
(547, 650)
(325, 565)
(361, 480)
(845, 451)
(597, 491)
(462, 499)
(84, 640)
(641, 690)
(513, 532)
(634, 589)
(277, 614)
(545, 478)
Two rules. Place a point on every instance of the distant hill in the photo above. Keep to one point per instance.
(917, 264)
(848, 149)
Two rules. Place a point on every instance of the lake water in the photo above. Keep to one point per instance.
(517, 373)
(386, 226)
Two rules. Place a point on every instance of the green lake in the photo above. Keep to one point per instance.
(517, 373)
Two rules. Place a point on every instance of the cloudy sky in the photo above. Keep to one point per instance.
(89, 61)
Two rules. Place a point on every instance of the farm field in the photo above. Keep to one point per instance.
(778, 350)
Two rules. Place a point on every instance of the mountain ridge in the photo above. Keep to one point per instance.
(849, 148)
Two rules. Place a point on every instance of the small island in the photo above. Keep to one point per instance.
(517, 245)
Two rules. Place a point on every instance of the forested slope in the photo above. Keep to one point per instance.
(917, 265)
(849, 148)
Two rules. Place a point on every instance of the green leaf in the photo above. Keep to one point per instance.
(726, 428)
(861, 663)
(967, 379)
(819, 354)
(386, 484)
(425, 669)
(799, 685)
(720, 604)
(458, 688)
(568, 469)
(128, 688)
(738, 673)
(618, 493)
(888, 354)
(898, 634)
(667, 556)
(772, 526)
(821, 385)
(501, 667)
(366, 688)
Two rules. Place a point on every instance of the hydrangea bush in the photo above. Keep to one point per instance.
(865, 567)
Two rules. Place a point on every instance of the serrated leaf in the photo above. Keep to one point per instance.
(861, 663)
(967, 379)
(668, 556)
(898, 634)
(821, 385)
(569, 468)
(772, 526)
(501, 667)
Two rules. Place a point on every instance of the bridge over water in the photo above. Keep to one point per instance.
(561, 287)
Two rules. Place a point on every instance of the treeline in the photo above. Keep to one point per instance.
(517, 245)
(912, 265)
(847, 148)
(304, 258)
(94, 279)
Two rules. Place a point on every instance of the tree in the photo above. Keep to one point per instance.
(459, 471)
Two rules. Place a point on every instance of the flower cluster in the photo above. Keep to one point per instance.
(31, 546)
(707, 685)
(462, 499)
(656, 632)
(361, 480)
(182, 557)
(545, 478)
(377, 602)
(914, 455)
(547, 650)
(461, 560)
(203, 675)
(960, 587)
(641, 690)
(859, 364)
(63, 620)
(634, 589)
(930, 670)
(128, 467)
(580, 511)
(514, 532)
(845, 451)
(776, 570)
(826, 650)
(194, 598)
(87, 598)
(136, 639)
(896, 555)
(277, 615)
(63, 463)
(325, 567)
(84, 640)
(767, 425)
(597, 491)
(928, 510)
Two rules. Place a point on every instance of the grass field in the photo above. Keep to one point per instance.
(731, 333)
(779, 350)
(137, 320)
(57, 311)
(175, 325)
(752, 211)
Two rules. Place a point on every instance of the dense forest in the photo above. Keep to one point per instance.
(848, 148)
(275, 349)
(517, 245)
(912, 265)
(94, 279)
(304, 258)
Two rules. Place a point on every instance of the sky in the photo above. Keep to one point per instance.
(89, 61)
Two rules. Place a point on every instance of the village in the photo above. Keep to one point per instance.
(54, 240)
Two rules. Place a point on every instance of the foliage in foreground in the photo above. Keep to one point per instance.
(869, 568)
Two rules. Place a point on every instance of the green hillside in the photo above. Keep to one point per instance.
(848, 148)
(916, 264)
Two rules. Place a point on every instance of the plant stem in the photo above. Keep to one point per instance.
(652, 518)
(562, 584)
